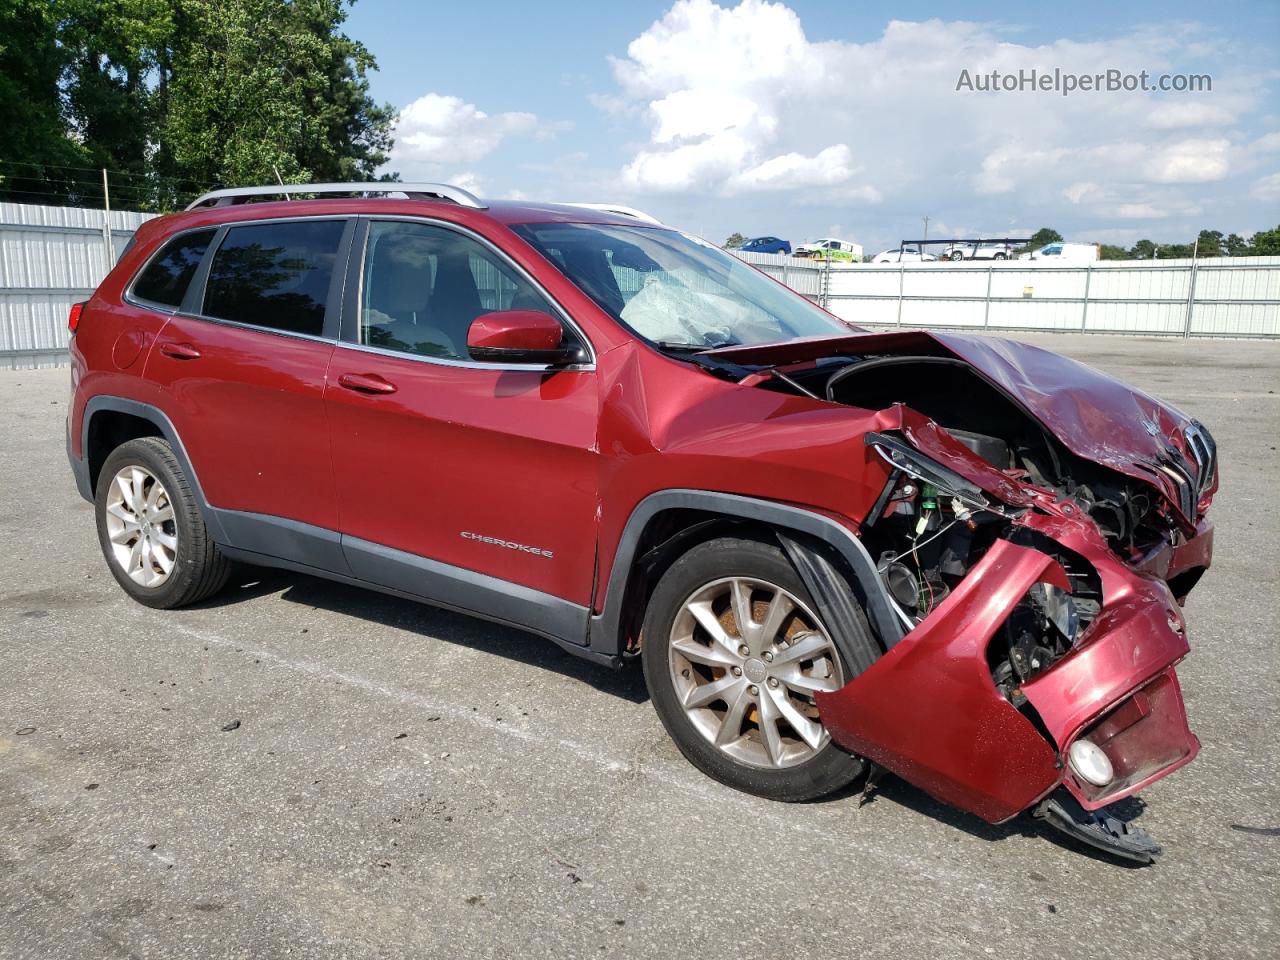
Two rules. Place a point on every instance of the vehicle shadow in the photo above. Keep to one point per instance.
(896, 790)
(428, 621)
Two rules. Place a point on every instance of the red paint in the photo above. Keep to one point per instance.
(1095, 416)
(515, 330)
(412, 454)
(928, 710)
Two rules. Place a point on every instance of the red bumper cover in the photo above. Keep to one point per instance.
(929, 711)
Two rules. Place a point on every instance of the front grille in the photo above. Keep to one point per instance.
(1181, 478)
(1205, 452)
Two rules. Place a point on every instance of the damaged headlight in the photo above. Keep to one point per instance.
(910, 461)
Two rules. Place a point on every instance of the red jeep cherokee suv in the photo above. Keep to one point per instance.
(957, 558)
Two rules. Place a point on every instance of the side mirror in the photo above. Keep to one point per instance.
(520, 336)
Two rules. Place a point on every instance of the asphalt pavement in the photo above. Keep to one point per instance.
(406, 782)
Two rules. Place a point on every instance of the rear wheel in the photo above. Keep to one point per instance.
(151, 530)
(733, 654)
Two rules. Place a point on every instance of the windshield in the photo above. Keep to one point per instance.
(674, 290)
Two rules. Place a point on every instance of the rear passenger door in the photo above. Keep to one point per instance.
(243, 363)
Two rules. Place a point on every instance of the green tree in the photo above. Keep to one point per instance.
(1043, 236)
(1110, 252)
(1266, 243)
(175, 96)
(1236, 246)
(1143, 250)
(257, 86)
(37, 152)
(735, 241)
(1209, 244)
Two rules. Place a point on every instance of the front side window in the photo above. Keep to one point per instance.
(166, 277)
(275, 275)
(674, 290)
(424, 285)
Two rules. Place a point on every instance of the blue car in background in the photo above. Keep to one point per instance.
(766, 245)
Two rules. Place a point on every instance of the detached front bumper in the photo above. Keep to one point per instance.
(929, 710)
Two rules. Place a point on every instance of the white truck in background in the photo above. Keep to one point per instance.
(1066, 252)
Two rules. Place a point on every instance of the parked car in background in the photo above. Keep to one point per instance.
(766, 245)
(1066, 252)
(830, 550)
(979, 251)
(830, 248)
(905, 255)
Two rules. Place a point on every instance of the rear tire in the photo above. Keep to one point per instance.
(152, 533)
(755, 730)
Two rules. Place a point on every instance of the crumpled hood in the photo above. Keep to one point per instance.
(1094, 415)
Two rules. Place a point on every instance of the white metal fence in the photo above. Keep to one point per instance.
(50, 257)
(1219, 297)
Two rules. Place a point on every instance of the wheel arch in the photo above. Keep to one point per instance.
(666, 524)
(111, 421)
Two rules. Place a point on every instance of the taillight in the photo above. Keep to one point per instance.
(73, 318)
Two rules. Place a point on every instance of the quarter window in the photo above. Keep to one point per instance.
(424, 285)
(274, 275)
(166, 277)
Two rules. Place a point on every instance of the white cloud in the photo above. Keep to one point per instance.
(1189, 161)
(1267, 189)
(737, 99)
(436, 131)
(829, 167)
(1139, 211)
(1177, 114)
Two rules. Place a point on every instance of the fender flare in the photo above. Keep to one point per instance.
(605, 626)
(146, 411)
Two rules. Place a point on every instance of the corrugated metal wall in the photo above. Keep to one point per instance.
(50, 257)
(1220, 297)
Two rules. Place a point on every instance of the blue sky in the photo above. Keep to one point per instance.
(807, 119)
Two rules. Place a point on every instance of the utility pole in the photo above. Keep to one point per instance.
(106, 223)
(926, 230)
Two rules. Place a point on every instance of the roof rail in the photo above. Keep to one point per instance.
(620, 210)
(414, 191)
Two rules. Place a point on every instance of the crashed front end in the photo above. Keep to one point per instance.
(1037, 667)
(1037, 528)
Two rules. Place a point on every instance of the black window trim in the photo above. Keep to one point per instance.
(350, 333)
(193, 302)
(133, 299)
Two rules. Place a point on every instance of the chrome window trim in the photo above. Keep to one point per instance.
(467, 364)
(142, 302)
(274, 331)
(564, 316)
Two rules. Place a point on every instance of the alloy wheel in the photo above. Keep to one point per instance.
(140, 526)
(746, 659)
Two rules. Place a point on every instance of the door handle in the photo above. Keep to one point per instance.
(180, 351)
(366, 383)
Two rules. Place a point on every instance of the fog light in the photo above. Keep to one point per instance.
(1090, 763)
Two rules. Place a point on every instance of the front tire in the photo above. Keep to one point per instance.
(151, 530)
(732, 653)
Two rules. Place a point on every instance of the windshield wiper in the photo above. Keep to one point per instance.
(678, 347)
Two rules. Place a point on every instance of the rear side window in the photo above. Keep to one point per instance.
(274, 275)
(166, 277)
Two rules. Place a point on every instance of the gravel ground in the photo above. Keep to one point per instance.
(408, 782)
